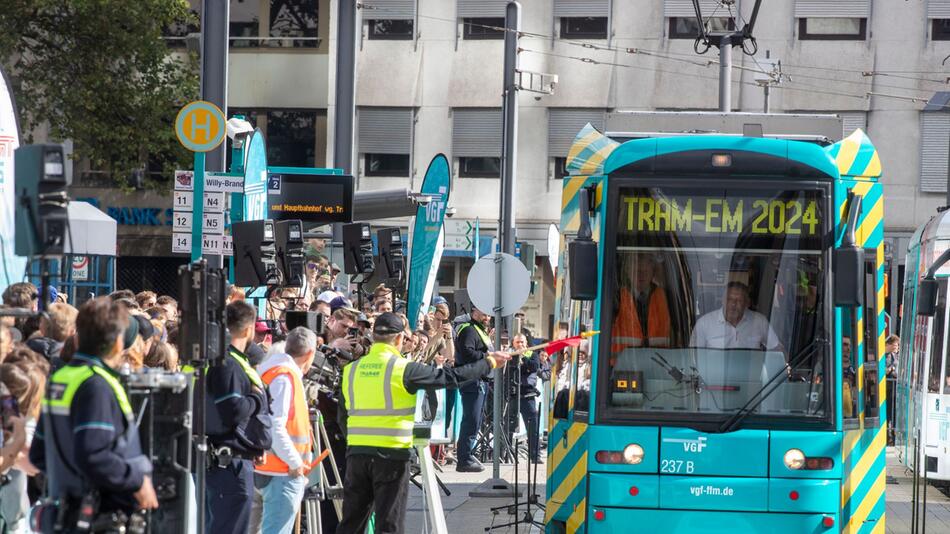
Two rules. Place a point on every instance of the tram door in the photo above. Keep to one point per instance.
(935, 392)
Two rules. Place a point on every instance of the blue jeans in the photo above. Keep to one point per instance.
(282, 496)
(473, 399)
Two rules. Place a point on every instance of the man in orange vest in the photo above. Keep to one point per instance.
(282, 476)
(643, 317)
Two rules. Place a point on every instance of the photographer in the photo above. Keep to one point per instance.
(341, 331)
(87, 440)
(378, 412)
(238, 426)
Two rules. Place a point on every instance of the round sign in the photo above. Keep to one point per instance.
(200, 126)
(515, 284)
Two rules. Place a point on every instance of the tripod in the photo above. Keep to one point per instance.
(530, 484)
(322, 490)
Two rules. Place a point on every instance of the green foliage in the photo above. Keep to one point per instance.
(99, 73)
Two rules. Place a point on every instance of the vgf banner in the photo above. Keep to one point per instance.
(426, 246)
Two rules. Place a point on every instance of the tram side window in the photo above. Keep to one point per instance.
(871, 338)
(584, 369)
(849, 384)
(937, 344)
(561, 374)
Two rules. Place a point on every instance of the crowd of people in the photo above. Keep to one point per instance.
(258, 425)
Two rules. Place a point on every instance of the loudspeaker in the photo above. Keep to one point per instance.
(390, 252)
(42, 202)
(255, 254)
(310, 320)
(357, 249)
(290, 252)
(201, 299)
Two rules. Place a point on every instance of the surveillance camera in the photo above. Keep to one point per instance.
(537, 98)
(450, 212)
(238, 126)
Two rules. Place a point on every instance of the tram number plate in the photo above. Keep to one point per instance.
(677, 466)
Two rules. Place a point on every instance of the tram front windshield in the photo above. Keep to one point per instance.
(712, 292)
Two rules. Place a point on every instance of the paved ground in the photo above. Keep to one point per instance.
(470, 515)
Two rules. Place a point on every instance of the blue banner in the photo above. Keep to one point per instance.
(425, 248)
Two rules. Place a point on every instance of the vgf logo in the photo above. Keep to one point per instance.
(436, 208)
(689, 445)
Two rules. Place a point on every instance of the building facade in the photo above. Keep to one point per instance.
(429, 81)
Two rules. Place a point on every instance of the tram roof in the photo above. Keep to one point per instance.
(854, 157)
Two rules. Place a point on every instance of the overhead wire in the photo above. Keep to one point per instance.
(690, 59)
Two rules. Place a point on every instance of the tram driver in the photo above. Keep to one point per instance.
(734, 325)
(643, 313)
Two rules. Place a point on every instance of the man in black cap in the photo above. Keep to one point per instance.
(379, 392)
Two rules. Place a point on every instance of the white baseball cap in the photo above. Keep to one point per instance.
(327, 296)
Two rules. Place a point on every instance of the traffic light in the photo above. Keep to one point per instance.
(41, 200)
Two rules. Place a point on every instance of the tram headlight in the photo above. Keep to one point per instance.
(794, 459)
(633, 454)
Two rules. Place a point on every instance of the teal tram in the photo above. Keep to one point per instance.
(736, 281)
(922, 392)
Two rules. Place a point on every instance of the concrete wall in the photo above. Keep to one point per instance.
(440, 70)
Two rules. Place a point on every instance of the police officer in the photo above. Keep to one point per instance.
(87, 441)
(379, 392)
(236, 409)
(472, 345)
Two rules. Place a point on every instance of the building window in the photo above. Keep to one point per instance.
(583, 27)
(390, 29)
(940, 30)
(483, 28)
(560, 168)
(832, 29)
(688, 27)
(294, 22)
(396, 165)
(291, 138)
(479, 167)
(244, 23)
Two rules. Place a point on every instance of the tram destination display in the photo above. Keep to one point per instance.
(705, 214)
(324, 198)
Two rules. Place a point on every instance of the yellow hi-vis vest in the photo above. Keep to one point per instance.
(380, 412)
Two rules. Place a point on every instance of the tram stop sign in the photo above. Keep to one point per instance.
(200, 126)
(483, 280)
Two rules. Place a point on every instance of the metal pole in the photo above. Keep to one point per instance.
(345, 98)
(506, 223)
(214, 82)
(766, 89)
(345, 104)
(725, 74)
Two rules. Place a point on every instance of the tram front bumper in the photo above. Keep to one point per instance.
(733, 504)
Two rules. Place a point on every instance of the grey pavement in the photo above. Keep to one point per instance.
(473, 515)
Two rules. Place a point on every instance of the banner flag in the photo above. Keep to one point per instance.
(426, 244)
(14, 266)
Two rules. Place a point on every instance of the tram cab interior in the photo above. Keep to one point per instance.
(719, 314)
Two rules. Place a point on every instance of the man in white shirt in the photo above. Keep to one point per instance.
(282, 477)
(734, 326)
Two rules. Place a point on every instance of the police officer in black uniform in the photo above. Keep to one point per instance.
(236, 408)
(529, 369)
(87, 441)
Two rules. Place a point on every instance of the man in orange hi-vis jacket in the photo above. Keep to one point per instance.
(643, 317)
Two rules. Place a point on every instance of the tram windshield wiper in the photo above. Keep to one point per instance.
(770, 386)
